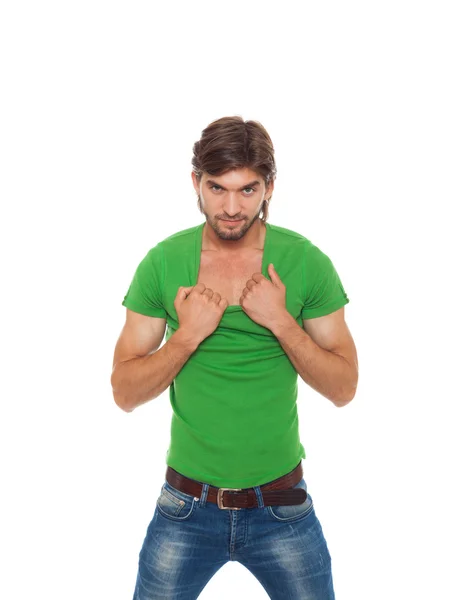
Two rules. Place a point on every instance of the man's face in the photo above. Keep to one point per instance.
(231, 202)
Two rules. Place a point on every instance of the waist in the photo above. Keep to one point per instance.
(276, 492)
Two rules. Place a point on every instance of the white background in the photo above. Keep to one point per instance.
(101, 103)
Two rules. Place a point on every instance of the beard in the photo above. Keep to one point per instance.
(226, 232)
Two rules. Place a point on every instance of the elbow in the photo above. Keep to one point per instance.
(341, 402)
(119, 399)
(344, 399)
(121, 402)
(347, 395)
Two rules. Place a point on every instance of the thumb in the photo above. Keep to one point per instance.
(274, 276)
(183, 292)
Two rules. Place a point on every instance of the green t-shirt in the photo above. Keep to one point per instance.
(235, 420)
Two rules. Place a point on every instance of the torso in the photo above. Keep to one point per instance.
(228, 276)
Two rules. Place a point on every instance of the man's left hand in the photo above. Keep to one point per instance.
(264, 301)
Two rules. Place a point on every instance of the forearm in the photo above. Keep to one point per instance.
(141, 379)
(328, 373)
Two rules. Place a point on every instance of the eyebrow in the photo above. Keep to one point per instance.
(251, 184)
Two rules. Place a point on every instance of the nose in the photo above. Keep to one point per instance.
(231, 206)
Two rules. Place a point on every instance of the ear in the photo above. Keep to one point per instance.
(269, 189)
(195, 182)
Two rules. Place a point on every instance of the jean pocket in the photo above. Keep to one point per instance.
(174, 504)
(292, 512)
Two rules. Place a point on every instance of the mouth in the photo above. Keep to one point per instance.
(231, 222)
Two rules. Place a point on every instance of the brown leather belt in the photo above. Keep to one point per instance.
(274, 492)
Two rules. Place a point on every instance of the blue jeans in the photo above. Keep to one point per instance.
(189, 539)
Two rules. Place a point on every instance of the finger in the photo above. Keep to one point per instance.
(200, 287)
(257, 277)
(183, 292)
(273, 274)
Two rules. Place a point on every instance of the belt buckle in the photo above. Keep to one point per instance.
(221, 494)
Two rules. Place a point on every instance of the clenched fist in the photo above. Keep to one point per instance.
(199, 310)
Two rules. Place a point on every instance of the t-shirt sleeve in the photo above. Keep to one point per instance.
(323, 290)
(144, 294)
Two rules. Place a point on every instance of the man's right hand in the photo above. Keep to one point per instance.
(199, 310)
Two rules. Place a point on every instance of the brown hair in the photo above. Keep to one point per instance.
(232, 143)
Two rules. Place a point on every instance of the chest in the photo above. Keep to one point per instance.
(228, 276)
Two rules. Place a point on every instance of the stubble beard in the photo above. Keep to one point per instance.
(224, 233)
(222, 230)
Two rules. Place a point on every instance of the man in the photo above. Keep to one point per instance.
(248, 307)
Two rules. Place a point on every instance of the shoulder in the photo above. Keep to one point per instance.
(180, 240)
(299, 249)
(291, 240)
(282, 233)
(176, 242)
(181, 236)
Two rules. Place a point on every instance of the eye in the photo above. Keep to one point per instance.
(217, 188)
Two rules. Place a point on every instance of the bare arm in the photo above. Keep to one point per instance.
(324, 355)
(140, 372)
